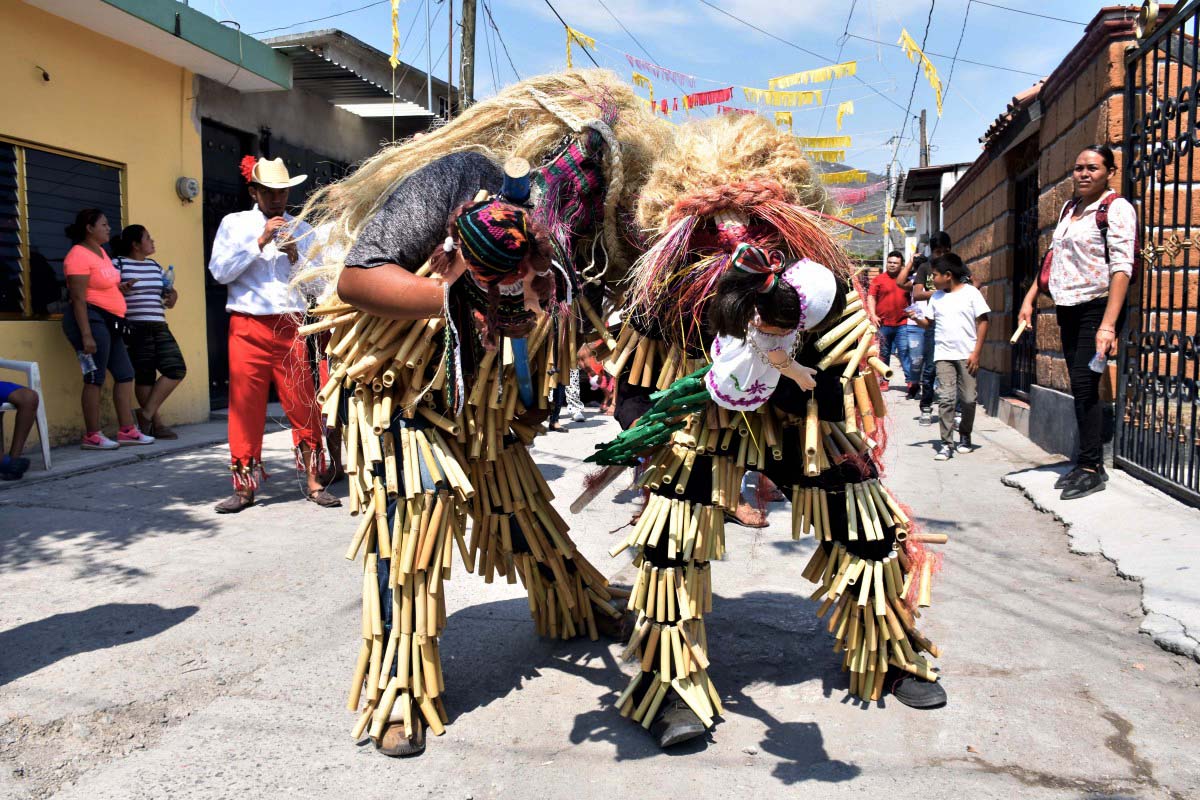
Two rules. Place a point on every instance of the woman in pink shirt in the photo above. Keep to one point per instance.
(93, 327)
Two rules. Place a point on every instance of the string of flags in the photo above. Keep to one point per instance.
(582, 39)
(735, 110)
(818, 141)
(783, 99)
(826, 156)
(846, 176)
(913, 51)
(782, 117)
(662, 73)
(845, 107)
(394, 58)
(818, 75)
(641, 80)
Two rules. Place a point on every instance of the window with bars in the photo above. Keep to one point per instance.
(40, 193)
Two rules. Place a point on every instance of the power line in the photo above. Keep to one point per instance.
(487, 7)
(568, 27)
(322, 19)
(943, 55)
(1028, 13)
(953, 61)
(907, 116)
(841, 47)
(792, 44)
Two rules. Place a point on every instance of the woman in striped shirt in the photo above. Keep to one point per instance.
(157, 363)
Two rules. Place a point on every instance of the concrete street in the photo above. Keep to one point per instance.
(150, 648)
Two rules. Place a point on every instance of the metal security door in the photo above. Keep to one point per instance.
(1157, 438)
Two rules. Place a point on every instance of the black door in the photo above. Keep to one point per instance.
(224, 193)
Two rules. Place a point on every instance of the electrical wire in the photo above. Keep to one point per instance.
(568, 27)
(943, 55)
(791, 44)
(487, 7)
(1028, 13)
(322, 19)
(953, 61)
(841, 47)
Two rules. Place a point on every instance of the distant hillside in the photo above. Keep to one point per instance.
(863, 244)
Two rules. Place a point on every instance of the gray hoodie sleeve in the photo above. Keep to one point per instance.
(412, 222)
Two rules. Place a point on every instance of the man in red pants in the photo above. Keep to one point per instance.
(253, 254)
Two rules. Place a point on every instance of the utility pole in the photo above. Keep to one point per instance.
(924, 142)
(450, 62)
(428, 59)
(466, 69)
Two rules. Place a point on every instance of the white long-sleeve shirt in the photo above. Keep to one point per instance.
(258, 280)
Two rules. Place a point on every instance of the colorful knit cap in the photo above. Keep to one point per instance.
(495, 238)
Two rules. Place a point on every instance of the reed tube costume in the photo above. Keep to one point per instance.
(438, 413)
(697, 428)
(264, 311)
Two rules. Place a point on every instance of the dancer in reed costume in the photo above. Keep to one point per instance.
(459, 309)
(743, 268)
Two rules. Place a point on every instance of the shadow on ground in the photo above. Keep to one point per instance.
(35, 645)
(763, 638)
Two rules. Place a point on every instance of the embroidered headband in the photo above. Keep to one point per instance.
(495, 238)
(751, 259)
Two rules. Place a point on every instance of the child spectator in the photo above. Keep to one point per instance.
(958, 313)
(12, 465)
(886, 301)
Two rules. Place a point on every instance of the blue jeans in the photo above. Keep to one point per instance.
(897, 337)
(928, 370)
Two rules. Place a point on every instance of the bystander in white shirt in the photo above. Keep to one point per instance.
(956, 314)
(1078, 271)
(259, 280)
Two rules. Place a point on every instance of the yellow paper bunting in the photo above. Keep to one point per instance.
(784, 99)
(845, 107)
(846, 176)
(827, 156)
(582, 39)
(863, 220)
(819, 75)
(783, 118)
(641, 80)
(913, 51)
(394, 59)
(820, 141)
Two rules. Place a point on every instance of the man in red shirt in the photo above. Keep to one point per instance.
(886, 302)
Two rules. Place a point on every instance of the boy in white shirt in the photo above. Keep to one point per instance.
(960, 314)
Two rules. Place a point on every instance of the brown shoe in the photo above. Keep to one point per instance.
(395, 744)
(144, 423)
(747, 516)
(234, 504)
(163, 432)
(323, 498)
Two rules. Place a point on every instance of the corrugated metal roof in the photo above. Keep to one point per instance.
(321, 75)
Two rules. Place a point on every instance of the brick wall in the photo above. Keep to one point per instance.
(1081, 103)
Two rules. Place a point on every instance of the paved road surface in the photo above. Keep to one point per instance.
(149, 648)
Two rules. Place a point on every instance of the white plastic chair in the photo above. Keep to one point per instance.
(34, 378)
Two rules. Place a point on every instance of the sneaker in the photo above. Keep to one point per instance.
(579, 417)
(1066, 480)
(964, 444)
(1087, 483)
(926, 416)
(131, 435)
(97, 441)
(913, 691)
(943, 452)
(12, 469)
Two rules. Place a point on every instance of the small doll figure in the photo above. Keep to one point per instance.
(761, 306)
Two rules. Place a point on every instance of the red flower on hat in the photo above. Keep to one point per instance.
(247, 167)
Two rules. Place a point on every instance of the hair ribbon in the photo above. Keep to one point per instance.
(751, 259)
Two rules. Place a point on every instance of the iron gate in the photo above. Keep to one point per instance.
(1025, 269)
(1156, 427)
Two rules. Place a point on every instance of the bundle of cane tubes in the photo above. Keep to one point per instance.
(419, 473)
(875, 599)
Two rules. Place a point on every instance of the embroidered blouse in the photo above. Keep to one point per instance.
(1078, 272)
(742, 378)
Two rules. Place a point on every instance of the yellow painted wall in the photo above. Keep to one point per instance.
(157, 140)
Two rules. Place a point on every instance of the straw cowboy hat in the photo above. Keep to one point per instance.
(274, 175)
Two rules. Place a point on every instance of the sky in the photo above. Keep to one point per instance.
(1013, 48)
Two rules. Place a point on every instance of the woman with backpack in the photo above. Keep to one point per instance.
(1087, 273)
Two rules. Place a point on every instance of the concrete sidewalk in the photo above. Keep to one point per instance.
(1149, 537)
(69, 459)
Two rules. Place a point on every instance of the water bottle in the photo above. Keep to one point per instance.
(168, 280)
(86, 362)
(1098, 362)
